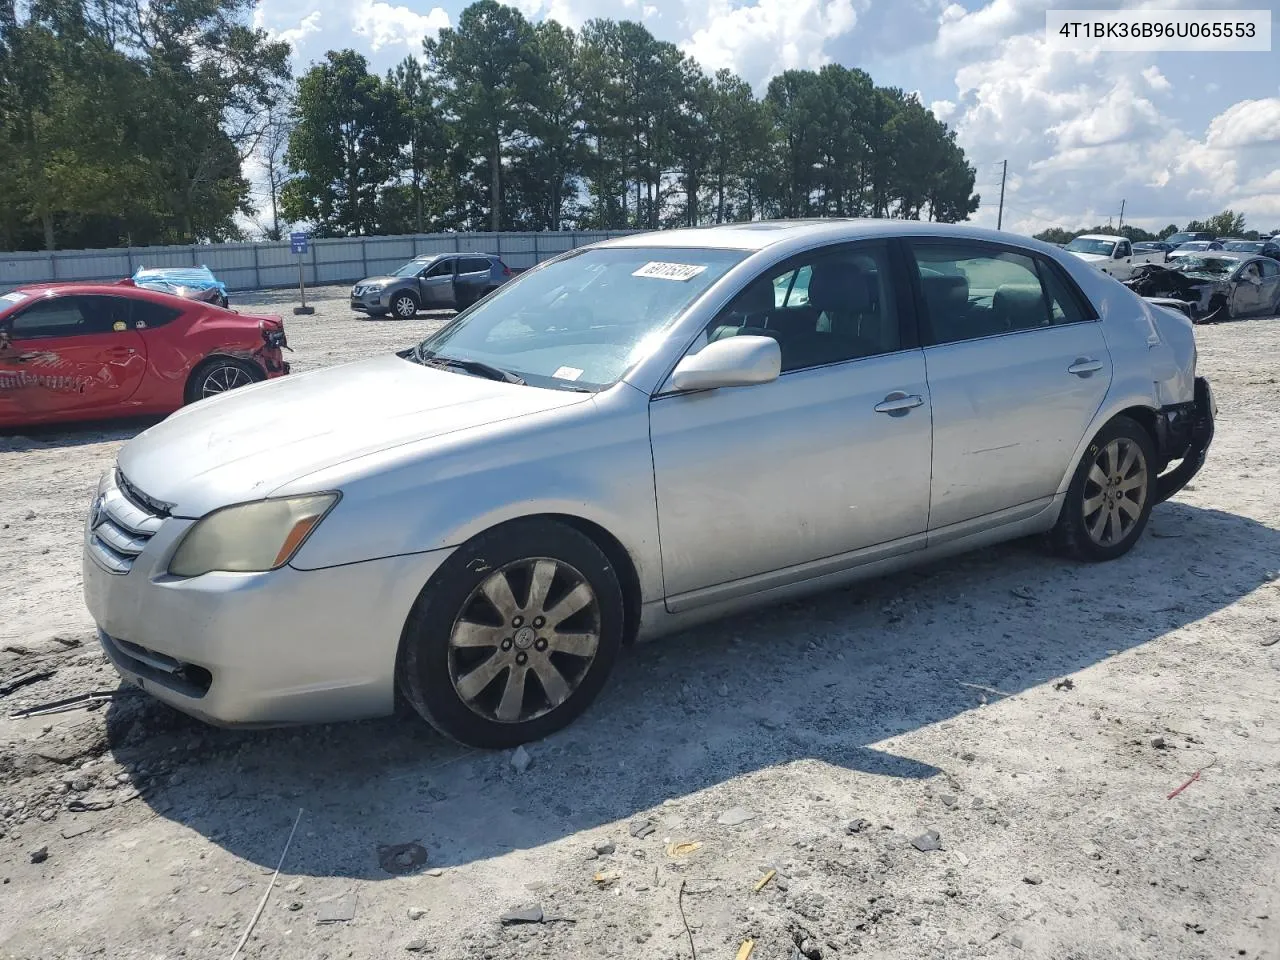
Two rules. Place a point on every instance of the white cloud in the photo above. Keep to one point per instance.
(384, 25)
(763, 39)
(1247, 123)
(293, 35)
(1156, 80)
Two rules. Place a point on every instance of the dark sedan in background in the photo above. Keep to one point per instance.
(436, 282)
(1258, 248)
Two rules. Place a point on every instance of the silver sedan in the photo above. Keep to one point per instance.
(634, 437)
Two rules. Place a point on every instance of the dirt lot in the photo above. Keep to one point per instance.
(816, 740)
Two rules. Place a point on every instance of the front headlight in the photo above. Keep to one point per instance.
(250, 537)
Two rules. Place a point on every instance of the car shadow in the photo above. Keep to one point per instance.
(17, 439)
(824, 680)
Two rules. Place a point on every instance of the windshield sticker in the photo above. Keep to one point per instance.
(14, 297)
(670, 271)
(567, 373)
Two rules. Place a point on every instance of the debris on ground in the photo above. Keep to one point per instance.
(1033, 880)
(40, 855)
(75, 830)
(676, 850)
(744, 951)
(856, 826)
(400, 858)
(641, 828)
(520, 759)
(24, 680)
(928, 841)
(1024, 593)
(1158, 743)
(604, 879)
(338, 909)
(763, 881)
(604, 847)
(735, 816)
(1066, 683)
(418, 946)
(529, 914)
(416, 913)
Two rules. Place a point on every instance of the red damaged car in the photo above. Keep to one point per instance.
(91, 351)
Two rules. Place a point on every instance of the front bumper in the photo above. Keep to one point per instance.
(369, 301)
(1184, 433)
(287, 646)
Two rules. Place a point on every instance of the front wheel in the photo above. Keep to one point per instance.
(404, 305)
(515, 635)
(1111, 495)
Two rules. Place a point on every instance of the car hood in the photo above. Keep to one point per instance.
(247, 443)
(368, 280)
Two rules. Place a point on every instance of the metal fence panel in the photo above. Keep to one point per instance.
(254, 266)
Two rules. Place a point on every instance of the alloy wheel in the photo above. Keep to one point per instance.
(1115, 491)
(524, 640)
(405, 307)
(222, 378)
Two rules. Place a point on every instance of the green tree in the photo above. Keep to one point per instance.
(345, 147)
(488, 69)
(425, 146)
(1228, 223)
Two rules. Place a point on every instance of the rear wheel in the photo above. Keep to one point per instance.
(1111, 495)
(515, 635)
(404, 305)
(220, 375)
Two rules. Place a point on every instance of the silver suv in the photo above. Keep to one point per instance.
(435, 282)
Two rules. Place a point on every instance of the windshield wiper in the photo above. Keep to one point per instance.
(431, 358)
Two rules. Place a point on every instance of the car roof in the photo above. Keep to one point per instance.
(101, 288)
(763, 234)
(1099, 236)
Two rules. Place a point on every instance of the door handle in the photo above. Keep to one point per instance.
(898, 403)
(1084, 367)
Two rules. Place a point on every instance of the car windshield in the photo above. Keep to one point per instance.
(1212, 265)
(1242, 246)
(1178, 238)
(1101, 248)
(412, 268)
(583, 320)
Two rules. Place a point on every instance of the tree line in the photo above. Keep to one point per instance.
(1228, 223)
(127, 123)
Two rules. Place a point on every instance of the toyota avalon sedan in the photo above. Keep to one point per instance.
(633, 437)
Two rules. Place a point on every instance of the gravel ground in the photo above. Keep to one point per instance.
(1037, 715)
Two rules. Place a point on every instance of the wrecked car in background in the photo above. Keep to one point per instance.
(1259, 248)
(1114, 256)
(1216, 285)
(190, 283)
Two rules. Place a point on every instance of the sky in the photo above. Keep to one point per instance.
(1174, 136)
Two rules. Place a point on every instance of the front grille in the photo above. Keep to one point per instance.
(122, 524)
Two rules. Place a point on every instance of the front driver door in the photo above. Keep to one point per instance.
(74, 354)
(436, 284)
(1248, 291)
(823, 468)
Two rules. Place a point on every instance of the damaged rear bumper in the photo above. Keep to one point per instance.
(1184, 432)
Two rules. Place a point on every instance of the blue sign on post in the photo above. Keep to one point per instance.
(298, 245)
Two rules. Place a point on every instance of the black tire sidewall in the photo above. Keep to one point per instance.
(424, 653)
(192, 392)
(1071, 530)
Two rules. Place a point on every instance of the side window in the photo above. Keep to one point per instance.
(973, 291)
(473, 265)
(1124, 250)
(1251, 272)
(442, 269)
(1064, 307)
(837, 306)
(143, 314)
(70, 317)
(1269, 269)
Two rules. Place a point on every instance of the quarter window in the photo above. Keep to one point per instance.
(834, 307)
(473, 265)
(973, 291)
(150, 314)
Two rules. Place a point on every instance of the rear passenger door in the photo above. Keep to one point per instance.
(1017, 368)
(473, 280)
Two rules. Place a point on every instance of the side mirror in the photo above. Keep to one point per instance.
(731, 362)
(4, 339)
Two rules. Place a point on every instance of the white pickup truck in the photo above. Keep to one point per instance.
(1112, 255)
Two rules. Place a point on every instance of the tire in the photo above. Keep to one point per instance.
(218, 375)
(1102, 521)
(404, 305)
(462, 664)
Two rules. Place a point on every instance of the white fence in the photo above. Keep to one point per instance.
(255, 266)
